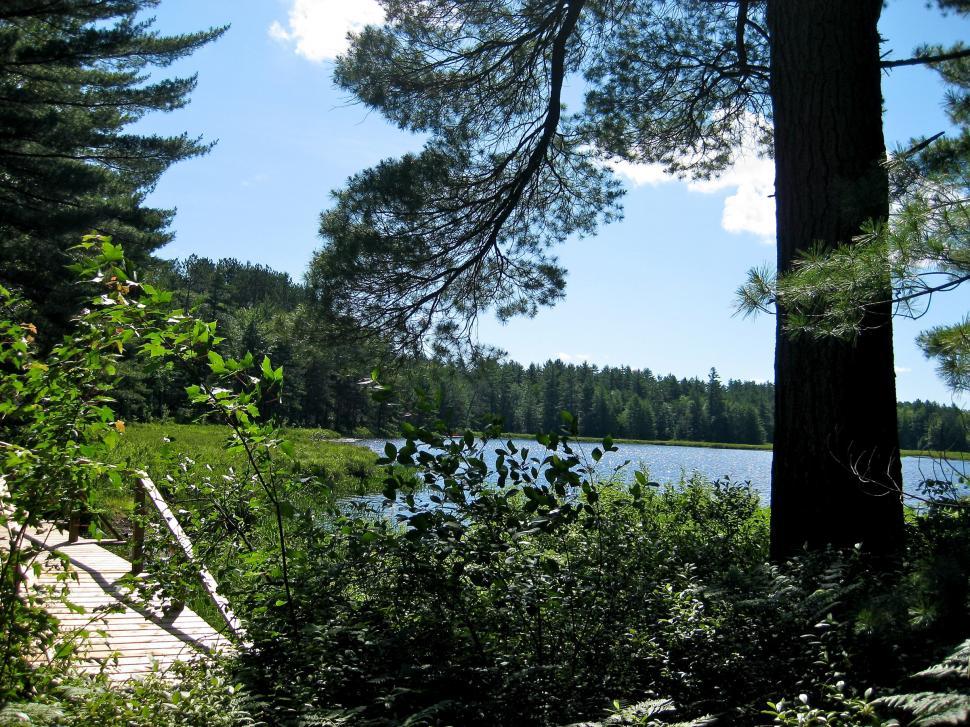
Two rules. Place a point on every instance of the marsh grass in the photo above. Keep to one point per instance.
(344, 469)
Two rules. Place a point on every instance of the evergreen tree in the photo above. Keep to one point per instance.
(834, 297)
(717, 414)
(664, 416)
(697, 429)
(642, 422)
(748, 428)
(73, 77)
(551, 395)
(832, 291)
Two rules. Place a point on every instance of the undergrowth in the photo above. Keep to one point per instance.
(191, 695)
(537, 595)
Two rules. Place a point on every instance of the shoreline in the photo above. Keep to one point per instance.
(929, 454)
(355, 441)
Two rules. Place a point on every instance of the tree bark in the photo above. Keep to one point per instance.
(836, 475)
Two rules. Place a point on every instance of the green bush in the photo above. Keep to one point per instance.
(193, 695)
(536, 594)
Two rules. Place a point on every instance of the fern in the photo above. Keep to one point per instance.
(649, 713)
(945, 697)
(955, 667)
(29, 714)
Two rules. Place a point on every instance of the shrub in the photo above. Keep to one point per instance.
(531, 595)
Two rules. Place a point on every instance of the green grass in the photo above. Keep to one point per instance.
(344, 469)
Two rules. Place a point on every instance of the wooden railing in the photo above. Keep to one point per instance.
(145, 493)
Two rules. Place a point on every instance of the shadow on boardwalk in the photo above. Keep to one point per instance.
(114, 634)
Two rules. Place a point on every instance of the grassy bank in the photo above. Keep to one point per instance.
(935, 455)
(344, 468)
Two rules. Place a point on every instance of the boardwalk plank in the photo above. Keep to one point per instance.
(129, 643)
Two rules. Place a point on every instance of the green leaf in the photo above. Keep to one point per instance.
(216, 362)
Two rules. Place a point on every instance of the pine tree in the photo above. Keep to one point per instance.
(748, 429)
(835, 299)
(925, 241)
(642, 420)
(428, 242)
(717, 415)
(73, 77)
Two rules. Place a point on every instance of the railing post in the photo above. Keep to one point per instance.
(74, 527)
(138, 530)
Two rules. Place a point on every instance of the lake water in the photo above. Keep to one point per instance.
(669, 464)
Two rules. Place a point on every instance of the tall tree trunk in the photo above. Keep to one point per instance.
(836, 472)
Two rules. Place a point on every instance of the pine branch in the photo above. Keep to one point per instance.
(919, 60)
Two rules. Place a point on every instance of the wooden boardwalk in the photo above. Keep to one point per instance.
(124, 639)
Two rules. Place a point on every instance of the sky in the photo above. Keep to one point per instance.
(656, 290)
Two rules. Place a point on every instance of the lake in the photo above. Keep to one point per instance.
(669, 463)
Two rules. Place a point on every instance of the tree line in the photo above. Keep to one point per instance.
(264, 311)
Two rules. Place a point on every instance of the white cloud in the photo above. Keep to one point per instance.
(902, 370)
(750, 209)
(317, 29)
(640, 174)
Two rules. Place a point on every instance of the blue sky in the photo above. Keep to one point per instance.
(653, 291)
